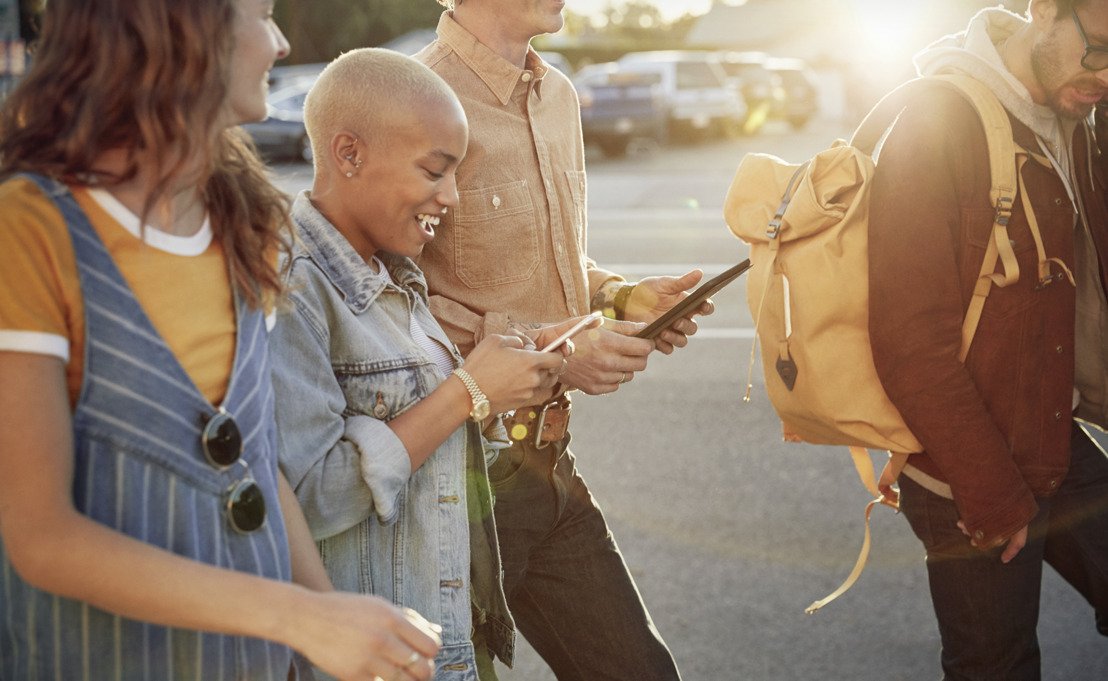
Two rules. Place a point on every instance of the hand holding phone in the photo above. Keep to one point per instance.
(591, 321)
(694, 300)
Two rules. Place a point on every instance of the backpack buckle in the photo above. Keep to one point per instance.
(1048, 280)
(775, 223)
(1002, 211)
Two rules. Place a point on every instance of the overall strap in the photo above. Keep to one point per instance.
(140, 469)
(115, 319)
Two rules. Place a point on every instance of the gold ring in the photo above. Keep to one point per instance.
(403, 668)
(625, 378)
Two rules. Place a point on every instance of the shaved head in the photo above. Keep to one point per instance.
(371, 93)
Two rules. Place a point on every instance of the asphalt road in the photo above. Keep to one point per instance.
(730, 532)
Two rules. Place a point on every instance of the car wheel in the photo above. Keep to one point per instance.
(683, 132)
(731, 128)
(304, 149)
(614, 147)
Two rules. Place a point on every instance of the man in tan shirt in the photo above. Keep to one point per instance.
(513, 254)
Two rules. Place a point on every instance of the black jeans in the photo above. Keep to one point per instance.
(568, 588)
(988, 611)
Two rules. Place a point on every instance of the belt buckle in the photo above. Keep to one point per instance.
(540, 422)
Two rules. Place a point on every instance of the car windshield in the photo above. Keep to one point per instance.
(292, 102)
(693, 75)
(792, 78)
(750, 73)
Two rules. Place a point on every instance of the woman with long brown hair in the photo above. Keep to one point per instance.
(145, 529)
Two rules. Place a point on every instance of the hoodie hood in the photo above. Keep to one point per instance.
(974, 52)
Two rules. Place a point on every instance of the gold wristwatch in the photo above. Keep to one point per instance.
(480, 410)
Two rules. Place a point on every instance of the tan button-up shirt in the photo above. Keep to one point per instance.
(514, 249)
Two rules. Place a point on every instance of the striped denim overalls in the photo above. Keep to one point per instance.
(140, 469)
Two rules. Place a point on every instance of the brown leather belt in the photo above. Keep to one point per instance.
(541, 423)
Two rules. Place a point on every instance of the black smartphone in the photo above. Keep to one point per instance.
(694, 300)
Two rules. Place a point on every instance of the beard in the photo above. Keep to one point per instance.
(1046, 65)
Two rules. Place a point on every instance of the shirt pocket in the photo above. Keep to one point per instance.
(496, 239)
(579, 193)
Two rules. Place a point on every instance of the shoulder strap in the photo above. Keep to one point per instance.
(1003, 168)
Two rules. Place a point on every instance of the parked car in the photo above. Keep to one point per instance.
(800, 101)
(618, 107)
(411, 42)
(281, 77)
(761, 87)
(415, 40)
(558, 61)
(694, 87)
(282, 135)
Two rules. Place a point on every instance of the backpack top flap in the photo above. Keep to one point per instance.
(770, 199)
(768, 190)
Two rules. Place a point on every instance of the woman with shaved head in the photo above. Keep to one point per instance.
(383, 434)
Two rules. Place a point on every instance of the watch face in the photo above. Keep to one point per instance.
(480, 410)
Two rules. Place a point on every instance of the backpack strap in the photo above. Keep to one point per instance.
(1046, 277)
(1006, 164)
(883, 494)
(998, 135)
(772, 230)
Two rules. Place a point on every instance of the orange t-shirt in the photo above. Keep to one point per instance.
(181, 282)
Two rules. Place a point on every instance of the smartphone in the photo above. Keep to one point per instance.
(694, 300)
(586, 323)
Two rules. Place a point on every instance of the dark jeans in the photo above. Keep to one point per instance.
(988, 611)
(568, 588)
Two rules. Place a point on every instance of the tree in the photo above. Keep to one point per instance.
(630, 24)
(320, 30)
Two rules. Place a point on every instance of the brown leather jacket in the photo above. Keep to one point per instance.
(997, 428)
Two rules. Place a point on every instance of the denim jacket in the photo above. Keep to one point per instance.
(344, 365)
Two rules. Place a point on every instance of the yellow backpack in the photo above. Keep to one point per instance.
(808, 290)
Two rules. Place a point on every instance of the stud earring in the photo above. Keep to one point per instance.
(444, 210)
(349, 174)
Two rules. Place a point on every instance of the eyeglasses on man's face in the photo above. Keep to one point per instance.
(1095, 58)
(222, 445)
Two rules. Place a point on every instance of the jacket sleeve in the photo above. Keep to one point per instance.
(343, 467)
(932, 163)
(463, 326)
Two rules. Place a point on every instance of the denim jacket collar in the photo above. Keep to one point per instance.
(343, 266)
(500, 75)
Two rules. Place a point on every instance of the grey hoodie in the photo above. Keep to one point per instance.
(974, 52)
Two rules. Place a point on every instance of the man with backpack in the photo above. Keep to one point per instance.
(1008, 478)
